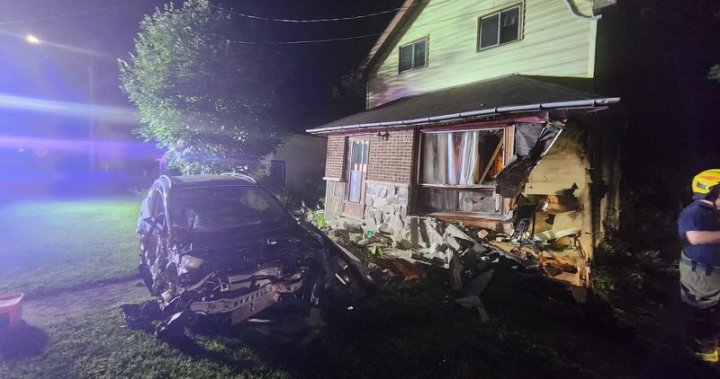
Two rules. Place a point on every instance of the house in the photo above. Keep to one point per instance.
(478, 111)
(296, 167)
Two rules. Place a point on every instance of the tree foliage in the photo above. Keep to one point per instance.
(348, 94)
(204, 98)
(715, 72)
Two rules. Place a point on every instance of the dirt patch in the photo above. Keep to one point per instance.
(54, 308)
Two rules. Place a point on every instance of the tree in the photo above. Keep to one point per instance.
(206, 99)
(348, 95)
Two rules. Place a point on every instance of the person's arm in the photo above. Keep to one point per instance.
(696, 237)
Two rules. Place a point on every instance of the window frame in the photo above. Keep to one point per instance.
(365, 161)
(508, 150)
(503, 129)
(425, 39)
(521, 23)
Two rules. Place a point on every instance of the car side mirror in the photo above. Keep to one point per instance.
(297, 213)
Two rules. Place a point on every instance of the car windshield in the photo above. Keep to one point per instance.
(217, 208)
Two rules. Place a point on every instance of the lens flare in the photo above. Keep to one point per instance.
(41, 146)
(79, 110)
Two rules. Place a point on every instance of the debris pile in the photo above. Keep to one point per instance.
(467, 254)
(439, 243)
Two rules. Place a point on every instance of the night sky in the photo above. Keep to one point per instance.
(40, 71)
(45, 147)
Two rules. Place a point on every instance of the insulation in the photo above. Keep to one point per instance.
(513, 177)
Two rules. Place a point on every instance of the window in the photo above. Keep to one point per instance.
(214, 209)
(499, 28)
(458, 170)
(413, 55)
(357, 168)
(157, 204)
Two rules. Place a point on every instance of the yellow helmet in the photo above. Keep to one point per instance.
(704, 181)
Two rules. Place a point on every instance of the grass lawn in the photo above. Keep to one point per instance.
(412, 334)
(99, 345)
(53, 245)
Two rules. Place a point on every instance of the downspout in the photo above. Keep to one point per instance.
(573, 9)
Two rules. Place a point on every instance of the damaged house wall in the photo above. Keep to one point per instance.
(560, 187)
(562, 180)
(434, 153)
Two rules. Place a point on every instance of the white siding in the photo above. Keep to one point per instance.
(554, 43)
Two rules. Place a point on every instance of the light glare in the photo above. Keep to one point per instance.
(79, 110)
(32, 39)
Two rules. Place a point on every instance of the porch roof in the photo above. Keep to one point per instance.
(483, 99)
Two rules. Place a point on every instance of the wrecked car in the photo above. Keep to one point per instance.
(222, 245)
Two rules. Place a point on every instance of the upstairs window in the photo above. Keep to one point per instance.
(413, 55)
(499, 28)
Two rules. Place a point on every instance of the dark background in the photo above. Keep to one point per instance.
(656, 55)
(313, 69)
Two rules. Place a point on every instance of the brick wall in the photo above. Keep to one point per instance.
(391, 160)
(335, 157)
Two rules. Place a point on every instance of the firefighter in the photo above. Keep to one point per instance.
(699, 228)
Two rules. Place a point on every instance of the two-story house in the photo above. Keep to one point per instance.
(473, 108)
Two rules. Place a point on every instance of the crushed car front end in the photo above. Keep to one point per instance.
(240, 280)
(227, 247)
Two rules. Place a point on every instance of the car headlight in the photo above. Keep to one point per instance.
(190, 262)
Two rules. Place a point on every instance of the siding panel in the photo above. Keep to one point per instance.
(554, 43)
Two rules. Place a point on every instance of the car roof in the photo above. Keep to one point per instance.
(200, 181)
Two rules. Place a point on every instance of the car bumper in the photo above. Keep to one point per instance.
(247, 305)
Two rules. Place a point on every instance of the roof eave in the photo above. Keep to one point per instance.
(476, 114)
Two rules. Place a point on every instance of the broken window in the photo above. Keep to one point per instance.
(499, 28)
(458, 170)
(462, 158)
(413, 55)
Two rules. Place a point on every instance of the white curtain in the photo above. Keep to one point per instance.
(462, 160)
(452, 161)
(469, 157)
(450, 158)
(435, 154)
